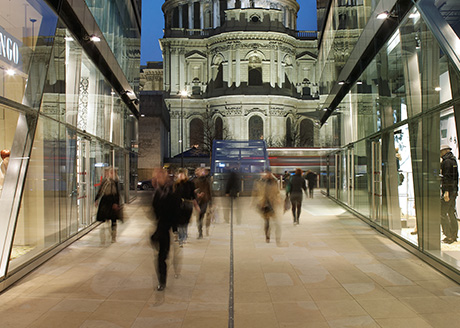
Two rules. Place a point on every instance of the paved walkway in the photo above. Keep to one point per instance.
(332, 270)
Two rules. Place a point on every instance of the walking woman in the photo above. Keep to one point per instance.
(267, 197)
(165, 206)
(108, 198)
(294, 189)
(184, 189)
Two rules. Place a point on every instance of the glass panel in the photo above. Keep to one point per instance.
(450, 10)
(69, 197)
(84, 197)
(27, 31)
(363, 168)
(118, 23)
(37, 227)
(403, 162)
(8, 124)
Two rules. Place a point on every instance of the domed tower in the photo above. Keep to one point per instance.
(238, 69)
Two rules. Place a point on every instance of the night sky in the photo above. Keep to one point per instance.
(153, 24)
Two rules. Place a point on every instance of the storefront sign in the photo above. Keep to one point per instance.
(9, 48)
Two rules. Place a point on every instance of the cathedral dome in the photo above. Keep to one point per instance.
(210, 14)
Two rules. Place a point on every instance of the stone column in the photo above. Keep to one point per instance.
(280, 68)
(202, 15)
(167, 70)
(190, 15)
(230, 66)
(182, 76)
(174, 75)
(216, 14)
(237, 66)
(273, 75)
(181, 16)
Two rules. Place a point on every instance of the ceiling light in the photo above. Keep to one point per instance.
(383, 15)
(94, 38)
(341, 82)
(437, 89)
(10, 72)
(359, 82)
(183, 93)
(68, 38)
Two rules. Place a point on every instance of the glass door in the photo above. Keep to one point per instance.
(83, 183)
(350, 176)
(376, 164)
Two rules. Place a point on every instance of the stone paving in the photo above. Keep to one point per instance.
(332, 270)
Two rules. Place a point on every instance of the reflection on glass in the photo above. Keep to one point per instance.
(37, 227)
(8, 124)
(406, 198)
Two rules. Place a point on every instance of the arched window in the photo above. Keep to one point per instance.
(306, 133)
(289, 141)
(256, 128)
(196, 132)
(219, 129)
(255, 70)
(220, 76)
(218, 71)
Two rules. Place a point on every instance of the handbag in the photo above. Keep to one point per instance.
(287, 203)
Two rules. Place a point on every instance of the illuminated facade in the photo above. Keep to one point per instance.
(239, 70)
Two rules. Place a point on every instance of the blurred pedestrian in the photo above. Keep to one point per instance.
(267, 199)
(165, 205)
(184, 189)
(108, 199)
(294, 190)
(232, 191)
(312, 179)
(204, 199)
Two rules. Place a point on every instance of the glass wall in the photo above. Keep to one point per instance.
(118, 24)
(404, 106)
(61, 124)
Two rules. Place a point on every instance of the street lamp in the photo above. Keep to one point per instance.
(183, 94)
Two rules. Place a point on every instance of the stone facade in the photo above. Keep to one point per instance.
(241, 62)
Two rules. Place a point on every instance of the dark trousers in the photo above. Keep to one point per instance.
(310, 191)
(203, 208)
(163, 241)
(296, 202)
(449, 222)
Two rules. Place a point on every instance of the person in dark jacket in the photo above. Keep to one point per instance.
(232, 190)
(165, 205)
(449, 188)
(184, 189)
(108, 198)
(204, 198)
(311, 177)
(294, 190)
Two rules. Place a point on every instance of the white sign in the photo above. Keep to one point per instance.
(9, 48)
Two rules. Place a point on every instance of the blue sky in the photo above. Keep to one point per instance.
(153, 24)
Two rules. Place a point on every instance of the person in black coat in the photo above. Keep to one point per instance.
(449, 188)
(165, 205)
(204, 198)
(311, 177)
(294, 189)
(108, 198)
(232, 190)
(184, 189)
